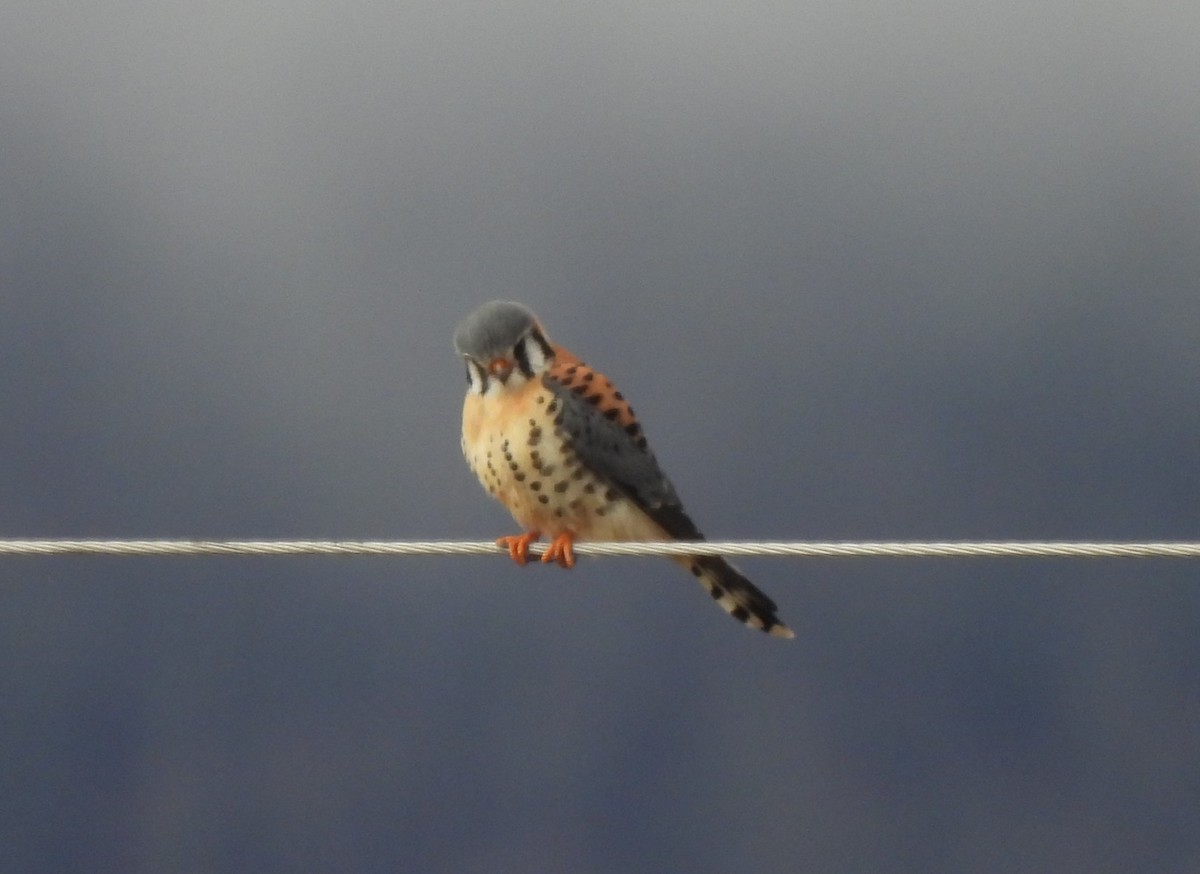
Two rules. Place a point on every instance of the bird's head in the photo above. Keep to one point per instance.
(503, 346)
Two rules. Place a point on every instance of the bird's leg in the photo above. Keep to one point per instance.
(518, 545)
(561, 550)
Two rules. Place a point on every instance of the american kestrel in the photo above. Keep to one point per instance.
(559, 446)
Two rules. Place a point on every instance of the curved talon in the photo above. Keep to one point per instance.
(561, 550)
(518, 545)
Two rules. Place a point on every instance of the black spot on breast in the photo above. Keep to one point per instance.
(552, 406)
(542, 499)
(610, 495)
(519, 476)
(512, 465)
(640, 443)
(590, 488)
(741, 614)
(536, 485)
(535, 435)
(561, 486)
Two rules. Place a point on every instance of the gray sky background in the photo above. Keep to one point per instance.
(865, 271)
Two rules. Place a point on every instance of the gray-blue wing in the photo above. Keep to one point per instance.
(606, 436)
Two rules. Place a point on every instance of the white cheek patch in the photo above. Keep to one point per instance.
(535, 355)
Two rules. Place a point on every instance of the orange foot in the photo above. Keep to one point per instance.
(518, 545)
(561, 550)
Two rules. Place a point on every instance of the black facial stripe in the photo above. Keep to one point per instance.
(522, 356)
(473, 368)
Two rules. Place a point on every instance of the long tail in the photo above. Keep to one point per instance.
(739, 597)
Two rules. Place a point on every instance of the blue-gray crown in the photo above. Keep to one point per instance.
(492, 330)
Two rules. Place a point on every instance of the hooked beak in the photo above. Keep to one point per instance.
(500, 368)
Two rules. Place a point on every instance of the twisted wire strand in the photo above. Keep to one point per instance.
(894, 549)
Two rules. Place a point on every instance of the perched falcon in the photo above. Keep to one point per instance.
(559, 446)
